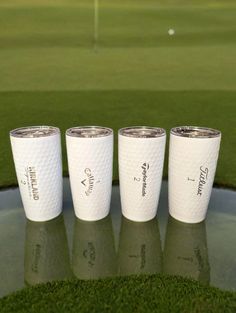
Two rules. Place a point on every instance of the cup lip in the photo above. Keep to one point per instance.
(155, 132)
(195, 132)
(28, 131)
(102, 132)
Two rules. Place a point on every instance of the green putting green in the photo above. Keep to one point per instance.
(61, 65)
(156, 293)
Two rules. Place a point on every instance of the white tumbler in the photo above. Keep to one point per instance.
(141, 159)
(90, 160)
(193, 158)
(37, 157)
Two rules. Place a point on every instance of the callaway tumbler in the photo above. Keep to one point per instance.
(192, 164)
(90, 159)
(141, 158)
(37, 157)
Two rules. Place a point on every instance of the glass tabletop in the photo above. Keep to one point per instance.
(67, 247)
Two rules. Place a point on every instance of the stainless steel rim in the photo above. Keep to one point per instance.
(195, 132)
(89, 132)
(142, 132)
(34, 132)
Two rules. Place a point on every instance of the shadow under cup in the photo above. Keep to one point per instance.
(185, 251)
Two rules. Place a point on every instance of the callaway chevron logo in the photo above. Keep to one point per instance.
(88, 182)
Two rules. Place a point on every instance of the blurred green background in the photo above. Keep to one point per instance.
(113, 63)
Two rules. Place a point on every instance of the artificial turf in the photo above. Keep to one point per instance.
(162, 294)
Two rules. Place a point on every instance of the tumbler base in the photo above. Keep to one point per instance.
(187, 219)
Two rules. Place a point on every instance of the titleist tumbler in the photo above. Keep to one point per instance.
(192, 164)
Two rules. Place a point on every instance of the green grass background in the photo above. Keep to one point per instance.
(53, 72)
(162, 294)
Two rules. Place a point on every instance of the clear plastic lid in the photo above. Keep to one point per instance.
(142, 132)
(195, 132)
(89, 131)
(34, 131)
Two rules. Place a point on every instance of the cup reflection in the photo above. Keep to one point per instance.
(46, 252)
(185, 251)
(139, 248)
(94, 254)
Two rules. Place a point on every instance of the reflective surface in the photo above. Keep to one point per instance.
(66, 247)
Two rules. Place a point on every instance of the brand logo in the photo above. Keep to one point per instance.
(90, 254)
(88, 182)
(145, 168)
(202, 179)
(36, 259)
(32, 182)
(141, 256)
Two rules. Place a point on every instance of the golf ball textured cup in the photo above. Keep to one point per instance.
(192, 164)
(37, 157)
(90, 159)
(141, 158)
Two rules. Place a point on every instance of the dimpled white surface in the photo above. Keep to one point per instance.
(134, 153)
(44, 155)
(90, 168)
(187, 156)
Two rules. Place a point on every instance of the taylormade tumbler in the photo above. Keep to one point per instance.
(193, 158)
(90, 159)
(37, 156)
(141, 158)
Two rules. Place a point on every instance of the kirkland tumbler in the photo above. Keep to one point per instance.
(90, 156)
(141, 158)
(192, 164)
(37, 156)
